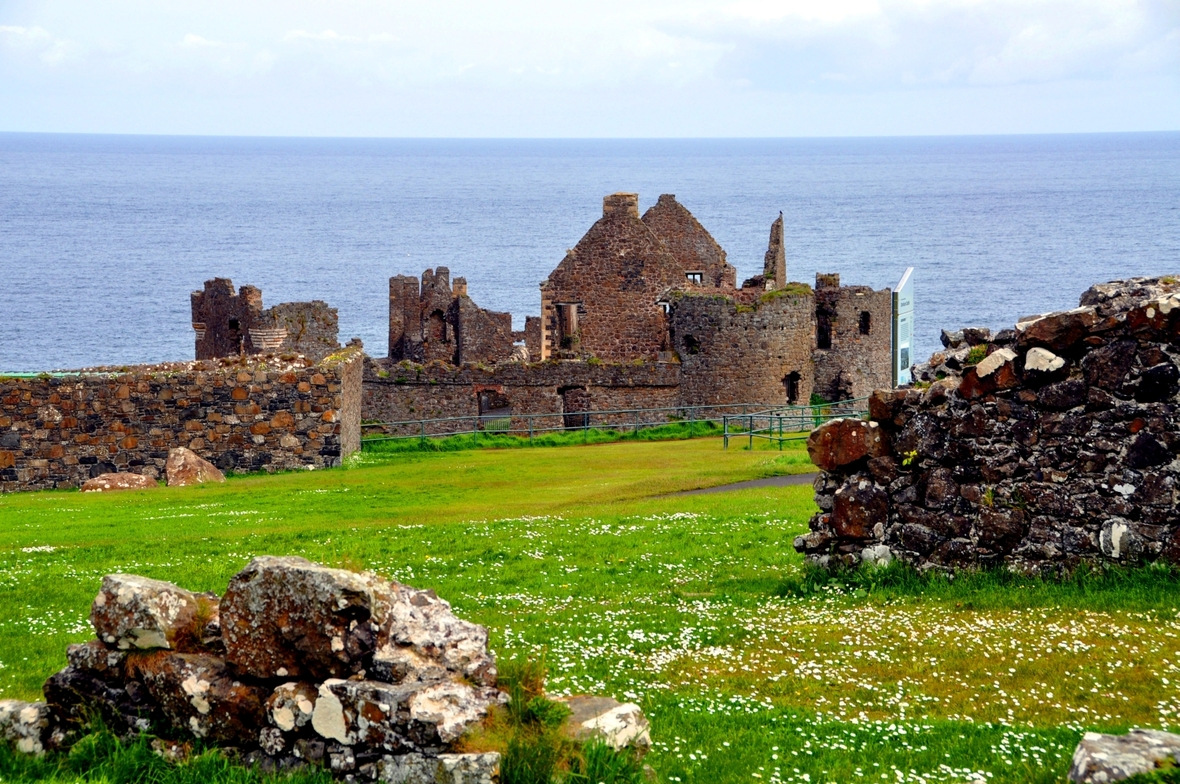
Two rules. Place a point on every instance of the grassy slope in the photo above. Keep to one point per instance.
(695, 605)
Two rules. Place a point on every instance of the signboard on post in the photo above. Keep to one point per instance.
(903, 328)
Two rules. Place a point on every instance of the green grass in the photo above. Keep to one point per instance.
(493, 439)
(751, 667)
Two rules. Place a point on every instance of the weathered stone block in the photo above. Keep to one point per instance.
(106, 483)
(859, 506)
(138, 612)
(1101, 759)
(198, 692)
(842, 442)
(286, 617)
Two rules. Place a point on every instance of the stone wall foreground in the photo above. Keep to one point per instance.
(256, 413)
(1041, 447)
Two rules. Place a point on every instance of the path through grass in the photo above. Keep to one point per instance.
(695, 606)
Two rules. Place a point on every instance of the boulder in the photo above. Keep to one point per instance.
(106, 483)
(1107, 367)
(996, 371)
(185, 467)
(1056, 331)
(618, 724)
(399, 718)
(1063, 395)
(197, 692)
(286, 617)
(443, 769)
(842, 442)
(423, 635)
(23, 724)
(138, 612)
(1100, 759)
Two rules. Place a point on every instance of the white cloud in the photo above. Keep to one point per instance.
(197, 42)
(645, 63)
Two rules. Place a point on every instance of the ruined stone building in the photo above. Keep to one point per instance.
(437, 321)
(643, 311)
(228, 323)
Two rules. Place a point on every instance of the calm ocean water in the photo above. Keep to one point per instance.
(102, 238)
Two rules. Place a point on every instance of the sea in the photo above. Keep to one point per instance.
(102, 238)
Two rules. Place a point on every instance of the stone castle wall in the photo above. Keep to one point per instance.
(854, 335)
(1042, 447)
(248, 414)
(733, 353)
(395, 392)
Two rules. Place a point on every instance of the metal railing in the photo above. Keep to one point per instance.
(788, 423)
(623, 420)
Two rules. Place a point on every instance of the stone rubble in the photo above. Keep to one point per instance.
(1100, 759)
(1039, 447)
(282, 672)
(619, 724)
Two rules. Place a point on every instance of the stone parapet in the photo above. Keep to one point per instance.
(256, 413)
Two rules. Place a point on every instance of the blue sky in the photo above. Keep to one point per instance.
(611, 68)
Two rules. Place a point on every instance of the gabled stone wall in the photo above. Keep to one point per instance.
(245, 414)
(1041, 447)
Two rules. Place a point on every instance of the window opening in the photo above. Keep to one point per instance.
(695, 277)
(791, 382)
(866, 322)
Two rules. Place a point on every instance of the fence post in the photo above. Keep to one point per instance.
(476, 431)
(637, 421)
(725, 430)
(751, 431)
(585, 426)
(422, 437)
(530, 428)
(691, 421)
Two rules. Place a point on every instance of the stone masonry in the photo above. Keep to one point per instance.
(1040, 447)
(243, 414)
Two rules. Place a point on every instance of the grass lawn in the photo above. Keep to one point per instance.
(697, 607)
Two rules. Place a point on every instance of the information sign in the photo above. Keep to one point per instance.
(903, 328)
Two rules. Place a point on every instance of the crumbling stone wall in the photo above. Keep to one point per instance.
(248, 414)
(854, 335)
(1042, 447)
(735, 353)
(438, 321)
(229, 324)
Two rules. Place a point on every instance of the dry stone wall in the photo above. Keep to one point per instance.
(1041, 447)
(243, 414)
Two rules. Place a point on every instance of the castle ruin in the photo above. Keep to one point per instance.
(643, 311)
(228, 324)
